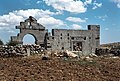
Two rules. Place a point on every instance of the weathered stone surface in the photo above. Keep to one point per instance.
(85, 41)
(20, 50)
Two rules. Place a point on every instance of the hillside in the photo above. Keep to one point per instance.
(110, 45)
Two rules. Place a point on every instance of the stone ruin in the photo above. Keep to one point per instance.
(82, 41)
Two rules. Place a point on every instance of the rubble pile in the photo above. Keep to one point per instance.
(111, 51)
(20, 50)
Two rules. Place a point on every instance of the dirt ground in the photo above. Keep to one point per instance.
(59, 69)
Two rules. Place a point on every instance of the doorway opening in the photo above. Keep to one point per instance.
(28, 39)
(77, 46)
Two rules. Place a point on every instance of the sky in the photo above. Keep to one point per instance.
(62, 14)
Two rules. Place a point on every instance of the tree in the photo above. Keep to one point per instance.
(12, 43)
(1, 42)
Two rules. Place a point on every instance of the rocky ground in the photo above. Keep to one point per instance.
(59, 69)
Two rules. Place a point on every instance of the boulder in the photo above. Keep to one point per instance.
(71, 54)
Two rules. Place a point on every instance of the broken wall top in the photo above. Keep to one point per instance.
(30, 23)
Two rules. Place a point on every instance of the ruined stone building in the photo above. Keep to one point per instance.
(85, 41)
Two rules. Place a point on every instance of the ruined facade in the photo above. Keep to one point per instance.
(84, 41)
(30, 26)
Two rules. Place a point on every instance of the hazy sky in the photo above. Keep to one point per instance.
(67, 14)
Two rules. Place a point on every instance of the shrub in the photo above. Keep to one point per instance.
(1, 42)
(12, 43)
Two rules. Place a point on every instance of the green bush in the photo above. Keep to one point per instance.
(12, 43)
(1, 42)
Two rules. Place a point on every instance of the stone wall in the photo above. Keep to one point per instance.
(85, 41)
(64, 39)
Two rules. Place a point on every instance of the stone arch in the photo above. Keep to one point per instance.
(35, 29)
(31, 35)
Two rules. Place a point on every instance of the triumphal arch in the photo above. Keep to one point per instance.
(30, 26)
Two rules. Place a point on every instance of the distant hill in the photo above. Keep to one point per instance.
(110, 45)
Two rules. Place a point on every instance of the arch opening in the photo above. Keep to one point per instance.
(29, 39)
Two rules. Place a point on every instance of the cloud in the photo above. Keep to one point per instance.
(118, 5)
(117, 2)
(67, 5)
(51, 22)
(10, 20)
(86, 18)
(88, 2)
(35, 13)
(103, 18)
(106, 29)
(73, 6)
(76, 26)
(8, 30)
(93, 3)
(96, 5)
(38, 2)
(27, 2)
(75, 19)
(15, 17)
